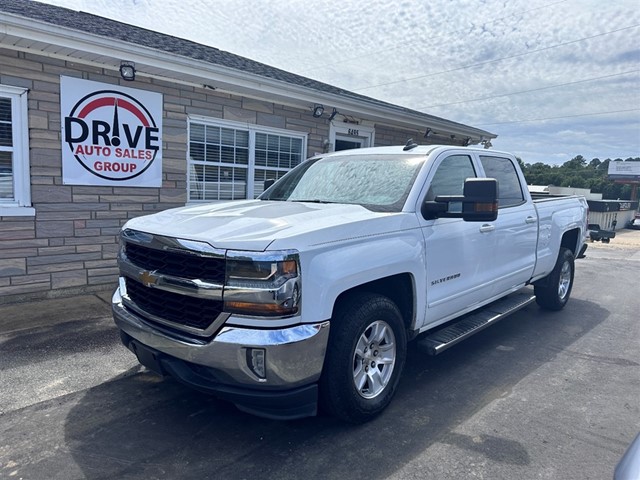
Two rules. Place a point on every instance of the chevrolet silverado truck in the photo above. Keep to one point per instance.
(307, 296)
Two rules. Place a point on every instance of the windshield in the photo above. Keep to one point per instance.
(377, 182)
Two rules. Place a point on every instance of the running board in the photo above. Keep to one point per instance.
(438, 341)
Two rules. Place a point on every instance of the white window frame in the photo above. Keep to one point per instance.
(20, 205)
(251, 166)
(345, 131)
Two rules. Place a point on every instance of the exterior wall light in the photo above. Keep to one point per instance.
(128, 71)
(318, 110)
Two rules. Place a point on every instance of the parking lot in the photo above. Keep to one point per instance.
(539, 395)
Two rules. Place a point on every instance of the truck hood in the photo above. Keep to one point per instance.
(255, 224)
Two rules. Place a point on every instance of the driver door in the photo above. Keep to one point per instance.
(459, 254)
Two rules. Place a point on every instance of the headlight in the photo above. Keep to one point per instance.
(262, 284)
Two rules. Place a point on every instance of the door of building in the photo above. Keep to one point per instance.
(347, 143)
(345, 136)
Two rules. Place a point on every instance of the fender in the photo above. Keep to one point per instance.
(555, 219)
(329, 270)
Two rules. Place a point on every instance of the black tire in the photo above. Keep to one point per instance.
(361, 319)
(553, 293)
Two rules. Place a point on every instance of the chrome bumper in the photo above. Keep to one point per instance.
(293, 356)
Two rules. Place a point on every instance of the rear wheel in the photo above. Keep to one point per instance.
(553, 293)
(365, 356)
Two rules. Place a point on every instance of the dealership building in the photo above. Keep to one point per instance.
(101, 122)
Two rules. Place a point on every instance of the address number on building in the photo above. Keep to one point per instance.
(353, 131)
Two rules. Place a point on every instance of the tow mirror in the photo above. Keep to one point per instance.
(479, 203)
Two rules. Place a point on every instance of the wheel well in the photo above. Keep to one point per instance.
(398, 288)
(570, 240)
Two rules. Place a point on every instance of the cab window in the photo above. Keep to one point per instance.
(450, 176)
(449, 179)
(509, 188)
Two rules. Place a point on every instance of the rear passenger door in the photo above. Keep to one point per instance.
(515, 231)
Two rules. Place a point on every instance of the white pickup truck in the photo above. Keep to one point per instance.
(308, 295)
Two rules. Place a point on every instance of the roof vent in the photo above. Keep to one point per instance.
(410, 145)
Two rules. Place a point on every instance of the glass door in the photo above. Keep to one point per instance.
(347, 143)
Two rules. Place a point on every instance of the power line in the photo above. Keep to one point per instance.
(400, 45)
(557, 118)
(529, 91)
(495, 59)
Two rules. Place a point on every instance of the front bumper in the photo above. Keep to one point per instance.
(293, 359)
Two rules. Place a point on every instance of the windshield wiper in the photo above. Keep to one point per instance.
(315, 200)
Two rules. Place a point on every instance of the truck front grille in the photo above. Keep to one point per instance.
(184, 310)
(174, 283)
(178, 264)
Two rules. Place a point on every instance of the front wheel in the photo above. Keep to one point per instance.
(554, 293)
(365, 356)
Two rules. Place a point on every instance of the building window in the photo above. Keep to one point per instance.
(229, 161)
(15, 197)
(275, 155)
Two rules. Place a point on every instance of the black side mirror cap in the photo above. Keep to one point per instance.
(479, 202)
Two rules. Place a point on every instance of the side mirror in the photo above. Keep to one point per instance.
(479, 202)
(268, 183)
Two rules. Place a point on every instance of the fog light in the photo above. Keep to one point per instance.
(256, 362)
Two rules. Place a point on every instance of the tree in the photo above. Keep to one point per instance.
(577, 162)
(595, 163)
(578, 173)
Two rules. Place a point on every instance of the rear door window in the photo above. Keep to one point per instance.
(503, 170)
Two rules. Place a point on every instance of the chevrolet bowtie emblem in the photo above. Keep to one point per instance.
(148, 278)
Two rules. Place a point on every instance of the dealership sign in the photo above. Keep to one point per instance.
(111, 135)
(628, 170)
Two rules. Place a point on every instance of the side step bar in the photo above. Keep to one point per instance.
(438, 341)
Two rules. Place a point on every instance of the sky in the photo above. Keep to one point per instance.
(552, 78)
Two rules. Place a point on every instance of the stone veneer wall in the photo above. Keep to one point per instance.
(70, 245)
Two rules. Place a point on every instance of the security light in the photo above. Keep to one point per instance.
(318, 110)
(128, 71)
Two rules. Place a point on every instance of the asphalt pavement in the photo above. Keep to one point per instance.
(540, 395)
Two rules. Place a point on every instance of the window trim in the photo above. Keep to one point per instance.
(21, 203)
(252, 129)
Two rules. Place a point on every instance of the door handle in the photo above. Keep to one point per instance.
(530, 219)
(487, 228)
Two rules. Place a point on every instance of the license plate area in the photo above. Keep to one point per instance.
(147, 357)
